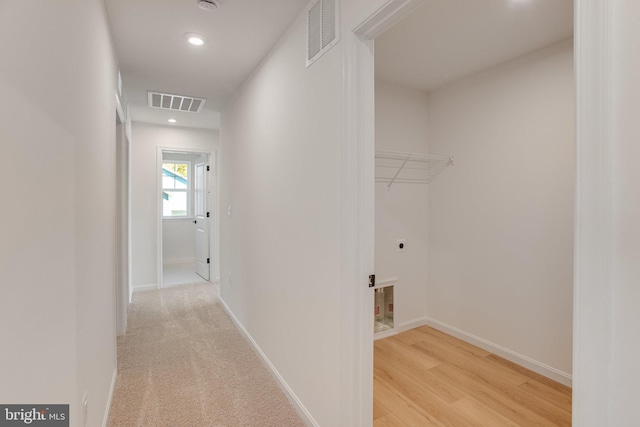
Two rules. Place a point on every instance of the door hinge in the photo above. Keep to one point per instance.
(208, 261)
(208, 214)
(207, 168)
(372, 280)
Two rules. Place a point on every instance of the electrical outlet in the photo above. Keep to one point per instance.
(401, 245)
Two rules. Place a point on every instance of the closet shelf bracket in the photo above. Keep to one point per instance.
(408, 168)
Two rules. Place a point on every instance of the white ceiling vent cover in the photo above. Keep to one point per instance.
(322, 28)
(167, 101)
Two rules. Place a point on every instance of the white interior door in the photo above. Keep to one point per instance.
(202, 219)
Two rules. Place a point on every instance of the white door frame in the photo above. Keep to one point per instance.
(592, 284)
(592, 272)
(214, 224)
(123, 219)
(358, 207)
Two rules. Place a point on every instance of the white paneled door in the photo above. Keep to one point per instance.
(202, 219)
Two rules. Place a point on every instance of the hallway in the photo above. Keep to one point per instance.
(184, 363)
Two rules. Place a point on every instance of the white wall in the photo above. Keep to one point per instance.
(501, 219)
(178, 241)
(146, 138)
(58, 80)
(280, 173)
(401, 210)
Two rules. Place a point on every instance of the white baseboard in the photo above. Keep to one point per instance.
(415, 323)
(105, 420)
(300, 408)
(527, 362)
(175, 285)
(140, 288)
(384, 334)
(404, 326)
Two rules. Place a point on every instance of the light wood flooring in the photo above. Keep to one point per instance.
(423, 377)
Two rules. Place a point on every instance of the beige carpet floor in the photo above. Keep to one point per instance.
(183, 362)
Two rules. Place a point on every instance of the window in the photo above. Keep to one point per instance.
(175, 189)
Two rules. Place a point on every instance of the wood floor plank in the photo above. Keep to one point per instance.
(531, 375)
(460, 385)
(416, 377)
(561, 399)
(531, 405)
(479, 366)
(405, 353)
(489, 395)
(384, 422)
(409, 337)
(430, 406)
(395, 402)
(482, 414)
(453, 341)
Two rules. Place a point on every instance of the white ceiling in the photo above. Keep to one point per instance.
(445, 40)
(153, 54)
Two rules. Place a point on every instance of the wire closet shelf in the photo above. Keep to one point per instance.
(408, 168)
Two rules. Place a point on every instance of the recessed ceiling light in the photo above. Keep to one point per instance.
(172, 120)
(195, 39)
(208, 5)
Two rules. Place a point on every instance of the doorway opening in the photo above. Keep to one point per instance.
(487, 247)
(186, 217)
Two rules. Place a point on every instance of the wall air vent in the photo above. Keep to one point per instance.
(322, 28)
(171, 102)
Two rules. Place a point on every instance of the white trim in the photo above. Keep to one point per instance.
(107, 412)
(175, 285)
(142, 288)
(159, 218)
(386, 282)
(128, 129)
(120, 110)
(412, 324)
(357, 232)
(402, 327)
(527, 362)
(122, 255)
(593, 284)
(297, 403)
(358, 207)
(129, 213)
(382, 15)
(385, 334)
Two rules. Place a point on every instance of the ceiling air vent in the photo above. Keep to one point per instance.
(322, 28)
(167, 101)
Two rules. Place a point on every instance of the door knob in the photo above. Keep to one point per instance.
(195, 222)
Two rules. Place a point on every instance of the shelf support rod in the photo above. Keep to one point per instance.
(399, 170)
